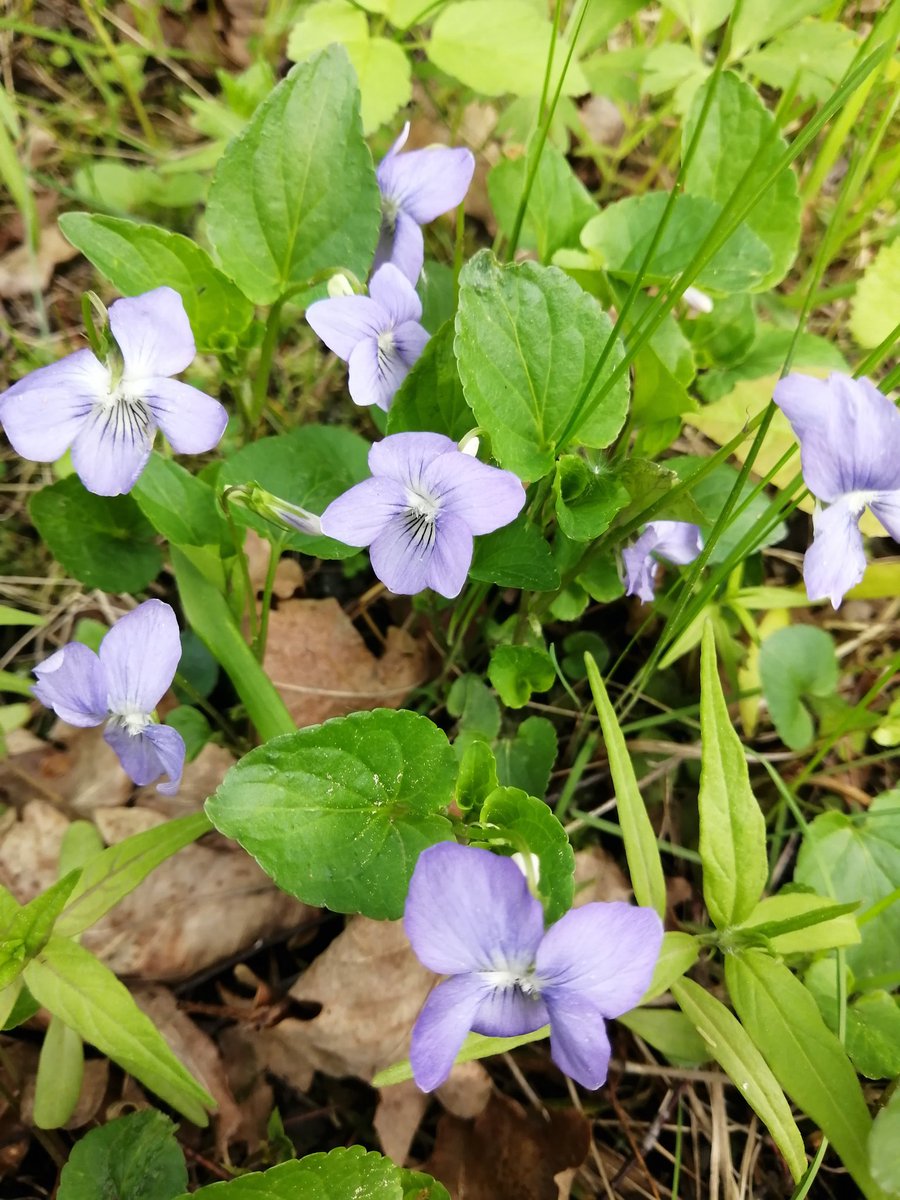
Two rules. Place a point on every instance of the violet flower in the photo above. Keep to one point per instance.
(418, 512)
(378, 335)
(108, 415)
(849, 435)
(415, 188)
(676, 541)
(122, 685)
(469, 914)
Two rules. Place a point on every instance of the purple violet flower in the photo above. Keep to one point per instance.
(849, 435)
(418, 512)
(378, 335)
(109, 417)
(469, 914)
(122, 685)
(676, 541)
(415, 188)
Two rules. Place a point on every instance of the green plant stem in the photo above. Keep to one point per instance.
(259, 645)
(260, 390)
(130, 91)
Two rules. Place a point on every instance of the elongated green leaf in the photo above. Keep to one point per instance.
(295, 193)
(884, 1147)
(110, 875)
(527, 339)
(70, 983)
(801, 923)
(59, 1075)
(806, 1058)
(136, 258)
(678, 954)
(476, 1045)
(135, 1157)
(32, 924)
(732, 827)
(641, 850)
(669, 1031)
(732, 1048)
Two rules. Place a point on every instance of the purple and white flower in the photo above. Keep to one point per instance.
(122, 686)
(469, 915)
(419, 511)
(109, 416)
(415, 188)
(378, 336)
(676, 541)
(849, 435)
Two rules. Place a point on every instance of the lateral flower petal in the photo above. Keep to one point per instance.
(344, 321)
(71, 682)
(886, 507)
(441, 1028)
(579, 1043)
(485, 497)
(835, 562)
(358, 516)
(192, 421)
(43, 413)
(169, 747)
(154, 334)
(139, 656)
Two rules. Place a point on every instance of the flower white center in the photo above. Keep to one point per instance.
(385, 344)
(389, 209)
(505, 978)
(857, 501)
(124, 414)
(132, 720)
(420, 519)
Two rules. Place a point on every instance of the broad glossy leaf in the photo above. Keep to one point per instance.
(179, 505)
(350, 1172)
(295, 193)
(796, 662)
(431, 396)
(515, 556)
(135, 1157)
(337, 814)
(526, 759)
(817, 54)
(516, 672)
(136, 258)
(527, 339)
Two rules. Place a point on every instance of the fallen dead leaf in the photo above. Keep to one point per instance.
(200, 779)
(468, 1090)
(397, 1117)
(598, 877)
(29, 850)
(322, 667)
(602, 121)
(23, 272)
(254, 1095)
(288, 573)
(77, 771)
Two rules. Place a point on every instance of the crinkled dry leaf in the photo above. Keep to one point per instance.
(29, 850)
(23, 273)
(400, 1109)
(77, 771)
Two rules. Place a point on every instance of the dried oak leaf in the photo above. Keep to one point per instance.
(77, 771)
(323, 668)
(24, 272)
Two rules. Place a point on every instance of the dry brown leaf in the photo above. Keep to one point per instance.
(400, 1109)
(78, 772)
(288, 573)
(507, 1151)
(598, 877)
(467, 1091)
(29, 850)
(200, 779)
(323, 668)
(23, 272)
(245, 1074)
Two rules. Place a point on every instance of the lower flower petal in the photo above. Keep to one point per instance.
(441, 1028)
(43, 413)
(358, 516)
(401, 557)
(192, 421)
(835, 562)
(169, 746)
(112, 448)
(136, 752)
(579, 1044)
(408, 250)
(640, 566)
(71, 682)
(508, 1012)
(451, 556)
(375, 374)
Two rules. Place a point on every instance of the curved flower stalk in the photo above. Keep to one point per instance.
(378, 336)
(419, 511)
(469, 915)
(849, 435)
(109, 414)
(122, 685)
(415, 188)
(677, 542)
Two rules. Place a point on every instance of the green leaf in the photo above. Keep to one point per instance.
(876, 306)
(816, 53)
(310, 467)
(20, 1003)
(340, 1173)
(193, 726)
(109, 876)
(102, 541)
(678, 954)
(518, 671)
(700, 17)
(180, 506)
(33, 924)
(295, 193)
(794, 662)
(873, 1035)
(586, 500)
(529, 826)
(477, 775)
(476, 1046)
(526, 760)
(527, 338)
(731, 1047)
(803, 923)
(16, 616)
(670, 1032)
(499, 46)
(859, 859)
(70, 983)
(806, 1058)
(59, 1075)
(419, 1186)
(641, 850)
(764, 18)
(739, 130)
(431, 396)
(732, 826)
(515, 556)
(135, 1157)
(136, 258)
(337, 814)
(622, 233)
(884, 1146)
(472, 701)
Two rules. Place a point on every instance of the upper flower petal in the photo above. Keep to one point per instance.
(192, 421)
(392, 291)
(579, 1044)
(43, 413)
(451, 556)
(112, 447)
(404, 456)
(426, 183)
(604, 952)
(470, 910)
(485, 497)
(153, 751)
(375, 374)
(344, 321)
(358, 516)
(441, 1028)
(677, 541)
(71, 682)
(835, 562)
(140, 655)
(153, 332)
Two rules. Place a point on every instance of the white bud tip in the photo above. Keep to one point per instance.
(339, 285)
(469, 445)
(697, 300)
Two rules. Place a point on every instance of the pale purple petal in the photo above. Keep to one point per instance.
(169, 746)
(485, 497)
(508, 1012)
(71, 682)
(404, 456)
(153, 332)
(470, 910)
(145, 755)
(401, 557)
(579, 1044)
(392, 292)
(344, 321)
(358, 516)
(375, 374)
(678, 541)
(451, 556)
(641, 567)
(410, 339)
(835, 562)
(406, 247)
(112, 448)
(140, 655)
(441, 1029)
(43, 413)
(192, 421)
(886, 507)
(604, 952)
(809, 406)
(426, 183)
